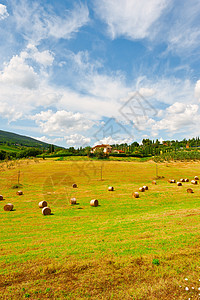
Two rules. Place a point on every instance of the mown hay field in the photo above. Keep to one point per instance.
(126, 248)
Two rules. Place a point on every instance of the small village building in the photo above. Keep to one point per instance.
(106, 148)
(118, 151)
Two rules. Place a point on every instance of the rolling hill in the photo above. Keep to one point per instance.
(13, 140)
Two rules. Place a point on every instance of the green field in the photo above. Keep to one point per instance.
(126, 248)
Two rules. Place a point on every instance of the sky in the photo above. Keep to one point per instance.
(79, 73)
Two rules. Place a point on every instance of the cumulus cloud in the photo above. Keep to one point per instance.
(61, 122)
(76, 140)
(44, 58)
(130, 18)
(37, 23)
(9, 112)
(110, 140)
(3, 12)
(18, 72)
(179, 116)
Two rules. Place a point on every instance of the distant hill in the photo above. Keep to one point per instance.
(17, 140)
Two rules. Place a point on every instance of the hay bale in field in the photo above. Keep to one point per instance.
(182, 180)
(74, 185)
(136, 194)
(42, 204)
(154, 182)
(73, 201)
(46, 211)
(179, 183)
(145, 187)
(94, 202)
(8, 207)
(186, 180)
(110, 188)
(141, 189)
(171, 180)
(1, 197)
(194, 181)
(190, 190)
(196, 178)
(19, 193)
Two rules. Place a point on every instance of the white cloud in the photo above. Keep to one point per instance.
(37, 23)
(18, 72)
(179, 118)
(44, 58)
(130, 18)
(184, 33)
(77, 140)
(3, 12)
(61, 122)
(110, 140)
(9, 112)
(197, 90)
(48, 140)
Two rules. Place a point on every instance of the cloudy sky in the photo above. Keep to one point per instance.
(77, 73)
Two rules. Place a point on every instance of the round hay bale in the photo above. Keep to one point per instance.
(73, 201)
(182, 180)
(110, 188)
(46, 211)
(8, 207)
(154, 182)
(19, 193)
(179, 183)
(42, 204)
(186, 180)
(94, 202)
(194, 181)
(141, 189)
(189, 190)
(1, 197)
(173, 181)
(145, 187)
(136, 194)
(196, 178)
(74, 185)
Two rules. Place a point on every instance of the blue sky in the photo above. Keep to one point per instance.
(77, 73)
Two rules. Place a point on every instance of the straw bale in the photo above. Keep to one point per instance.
(1, 197)
(145, 187)
(141, 189)
(182, 180)
(190, 190)
(171, 180)
(179, 183)
(110, 188)
(196, 177)
(73, 201)
(42, 204)
(186, 180)
(194, 181)
(136, 194)
(154, 182)
(74, 185)
(94, 202)
(8, 207)
(19, 193)
(46, 211)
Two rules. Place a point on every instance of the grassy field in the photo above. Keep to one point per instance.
(126, 248)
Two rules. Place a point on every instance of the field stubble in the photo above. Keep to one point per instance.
(131, 248)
